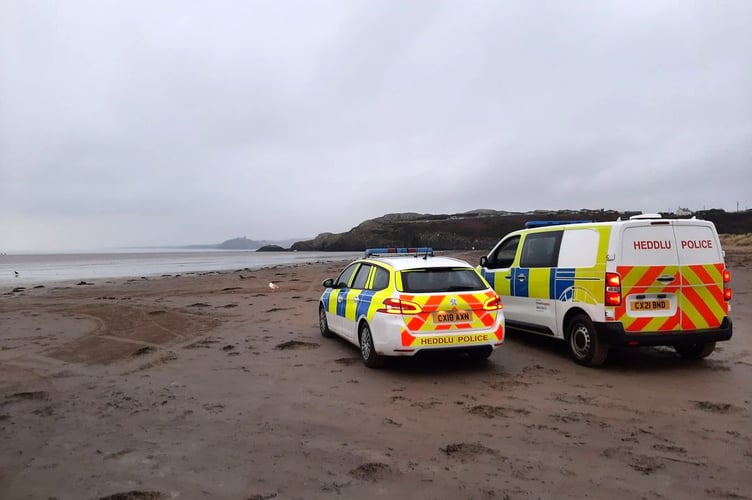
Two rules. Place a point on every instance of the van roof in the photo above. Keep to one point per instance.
(645, 219)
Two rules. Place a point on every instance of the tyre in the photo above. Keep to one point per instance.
(695, 351)
(584, 344)
(367, 350)
(323, 323)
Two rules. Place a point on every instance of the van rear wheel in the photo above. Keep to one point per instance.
(695, 351)
(584, 344)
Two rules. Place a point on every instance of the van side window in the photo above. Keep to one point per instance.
(504, 255)
(579, 248)
(540, 249)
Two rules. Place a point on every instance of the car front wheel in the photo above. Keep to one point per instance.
(367, 349)
(323, 323)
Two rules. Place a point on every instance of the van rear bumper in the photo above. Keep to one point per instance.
(614, 334)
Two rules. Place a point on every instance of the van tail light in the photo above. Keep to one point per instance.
(493, 304)
(399, 306)
(613, 289)
(727, 293)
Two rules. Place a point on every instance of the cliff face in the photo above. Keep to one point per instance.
(480, 229)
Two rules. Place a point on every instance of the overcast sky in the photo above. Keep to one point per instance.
(127, 123)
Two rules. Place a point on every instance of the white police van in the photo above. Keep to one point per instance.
(645, 281)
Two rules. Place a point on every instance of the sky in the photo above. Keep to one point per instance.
(176, 122)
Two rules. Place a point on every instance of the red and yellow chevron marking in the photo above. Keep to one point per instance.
(472, 302)
(642, 279)
(702, 296)
(699, 289)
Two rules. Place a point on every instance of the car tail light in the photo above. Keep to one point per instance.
(399, 306)
(727, 293)
(613, 289)
(493, 304)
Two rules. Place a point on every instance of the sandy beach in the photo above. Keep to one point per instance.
(215, 386)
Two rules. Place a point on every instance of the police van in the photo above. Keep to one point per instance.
(645, 281)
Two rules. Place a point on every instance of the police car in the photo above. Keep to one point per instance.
(645, 281)
(402, 301)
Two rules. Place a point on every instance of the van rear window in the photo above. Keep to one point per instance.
(441, 279)
(697, 245)
(649, 245)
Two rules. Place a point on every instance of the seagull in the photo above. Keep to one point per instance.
(16, 273)
(273, 286)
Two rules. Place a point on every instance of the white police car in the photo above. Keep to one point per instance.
(401, 301)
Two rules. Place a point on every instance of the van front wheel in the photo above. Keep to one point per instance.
(584, 344)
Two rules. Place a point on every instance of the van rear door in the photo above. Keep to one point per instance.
(701, 268)
(648, 263)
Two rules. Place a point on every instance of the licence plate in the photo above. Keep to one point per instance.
(650, 305)
(452, 317)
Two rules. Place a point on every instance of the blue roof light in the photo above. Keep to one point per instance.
(396, 251)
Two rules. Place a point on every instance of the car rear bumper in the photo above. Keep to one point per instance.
(391, 337)
(614, 335)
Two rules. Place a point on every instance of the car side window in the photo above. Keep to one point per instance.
(362, 276)
(380, 279)
(504, 255)
(540, 249)
(343, 281)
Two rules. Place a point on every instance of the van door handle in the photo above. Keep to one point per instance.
(508, 277)
(666, 279)
(340, 298)
(521, 278)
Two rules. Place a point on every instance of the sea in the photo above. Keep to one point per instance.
(35, 269)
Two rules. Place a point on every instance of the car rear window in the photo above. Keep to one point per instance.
(441, 279)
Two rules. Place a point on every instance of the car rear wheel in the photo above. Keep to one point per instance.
(367, 350)
(584, 344)
(323, 323)
(695, 351)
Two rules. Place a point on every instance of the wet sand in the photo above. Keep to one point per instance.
(216, 386)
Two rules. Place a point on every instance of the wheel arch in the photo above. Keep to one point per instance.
(571, 313)
(362, 321)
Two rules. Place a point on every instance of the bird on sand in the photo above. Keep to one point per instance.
(273, 286)
(16, 273)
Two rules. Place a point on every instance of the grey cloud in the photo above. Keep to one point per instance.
(200, 122)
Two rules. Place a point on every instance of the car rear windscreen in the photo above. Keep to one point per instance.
(441, 279)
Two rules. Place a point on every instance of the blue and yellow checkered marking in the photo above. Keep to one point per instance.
(326, 297)
(362, 307)
(364, 302)
(544, 283)
(562, 283)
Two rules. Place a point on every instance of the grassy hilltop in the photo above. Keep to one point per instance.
(478, 228)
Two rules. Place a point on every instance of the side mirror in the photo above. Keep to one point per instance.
(327, 283)
(483, 261)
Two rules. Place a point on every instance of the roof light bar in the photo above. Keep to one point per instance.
(646, 216)
(395, 251)
(542, 223)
